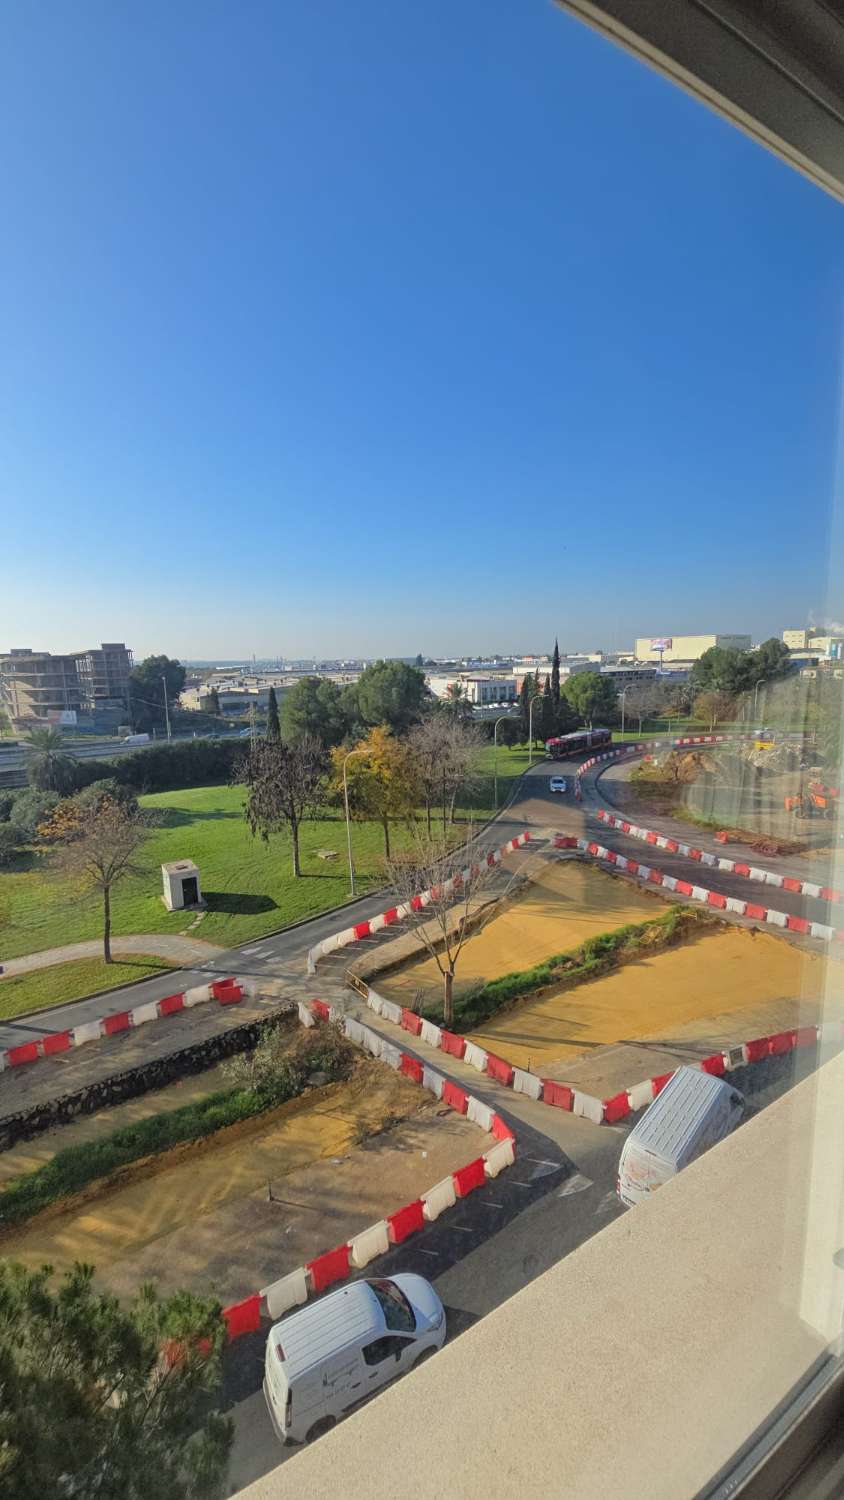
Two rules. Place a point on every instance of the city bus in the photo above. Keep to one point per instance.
(565, 745)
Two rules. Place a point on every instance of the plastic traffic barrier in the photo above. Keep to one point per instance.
(527, 1083)
(480, 1113)
(90, 1031)
(289, 1291)
(406, 1221)
(455, 1097)
(320, 1009)
(453, 1044)
(410, 1021)
(140, 1015)
(390, 1055)
(328, 1268)
(499, 1156)
(197, 995)
(558, 1094)
(438, 1198)
(616, 1108)
(26, 1052)
(243, 1317)
(391, 1012)
(222, 984)
(501, 1130)
(171, 1004)
(756, 1049)
(499, 1069)
(658, 1083)
(411, 1067)
(230, 994)
(475, 1057)
(306, 1015)
(587, 1106)
(56, 1041)
(430, 1033)
(640, 1095)
(120, 1021)
(432, 1081)
(467, 1178)
(369, 1243)
(714, 1064)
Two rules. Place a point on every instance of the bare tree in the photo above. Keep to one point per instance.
(457, 881)
(446, 751)
(101, 844)
(285, 785)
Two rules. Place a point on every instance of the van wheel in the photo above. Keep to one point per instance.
(319, 1429)
(426, 1354)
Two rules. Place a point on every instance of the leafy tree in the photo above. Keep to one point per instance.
(772, 659)
(391, 693)
(30, 808)
(92, 1407)
(446, 753)
(273, 726)
(98, 848)
(457, 880)
(713, 706)
(527, 692)
(509, 733)
(285, 785)
(146, 690)
(548, 720)
(314, 709)
(555, 673)
(108, 789)
(590, 695)
(11, 839)
(50, 767)
(6, 801)
(382, 779)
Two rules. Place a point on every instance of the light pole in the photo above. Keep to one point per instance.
(347, 758)
(495, 756)
(755, 695)
(623, 696)
(166, 709)
(530, 728)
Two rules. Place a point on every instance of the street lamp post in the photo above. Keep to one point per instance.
(530, 728)
(495, 757)
(623, 696)
(756, 694)
(166, 709)
(347, 758)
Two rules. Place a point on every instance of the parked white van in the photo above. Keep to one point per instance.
(324, 1359)
(693, 1111)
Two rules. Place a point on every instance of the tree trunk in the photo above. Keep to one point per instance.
(107, 925)
(451, 811)
(294, 834)
(385, 823)
(448, 997)
(428, 815)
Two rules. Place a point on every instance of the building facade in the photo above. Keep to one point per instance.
(796, 640)
(686, 647)
(104, 674)
(477, 690)
(39, 689)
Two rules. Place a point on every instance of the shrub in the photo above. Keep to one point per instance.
(169, 767)
(6, 800)
(107, 786)
(11, 839)
(31, 808)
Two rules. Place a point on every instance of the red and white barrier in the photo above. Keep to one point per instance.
(335, 1265)
(716, 862)
(372, 925)
(225, 991)
(801, 925)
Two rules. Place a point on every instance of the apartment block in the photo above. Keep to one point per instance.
(39, 688)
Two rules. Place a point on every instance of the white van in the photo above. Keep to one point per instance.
(693, 1111)
(326, 1358)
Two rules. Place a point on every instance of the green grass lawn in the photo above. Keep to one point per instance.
(82, 976)
(249, 885)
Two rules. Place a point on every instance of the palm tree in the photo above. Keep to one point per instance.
(51, 768)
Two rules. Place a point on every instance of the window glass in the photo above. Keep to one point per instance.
(398, 1312)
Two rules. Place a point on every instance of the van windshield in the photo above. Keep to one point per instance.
(398, 1313)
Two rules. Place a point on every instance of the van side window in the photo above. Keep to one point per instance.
(381, 1349)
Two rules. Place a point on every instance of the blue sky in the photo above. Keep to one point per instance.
(395, 327)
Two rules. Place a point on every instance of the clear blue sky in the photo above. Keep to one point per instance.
(390, 327)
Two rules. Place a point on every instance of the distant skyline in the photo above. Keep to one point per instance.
(336, 332)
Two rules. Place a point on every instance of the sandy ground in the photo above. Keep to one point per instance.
(201, 1220)
(567, 903)
(726, 971)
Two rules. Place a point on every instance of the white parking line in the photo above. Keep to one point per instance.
(575, 1184)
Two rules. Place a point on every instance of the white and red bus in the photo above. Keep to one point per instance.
(565, 745)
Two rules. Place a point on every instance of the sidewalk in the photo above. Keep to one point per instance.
(182, 950)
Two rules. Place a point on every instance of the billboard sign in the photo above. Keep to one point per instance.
(64, 718)
(662, 643)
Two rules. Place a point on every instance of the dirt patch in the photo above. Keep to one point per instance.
(155, 1195)
(730, 970)
(566, 903)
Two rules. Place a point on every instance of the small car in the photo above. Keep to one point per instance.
(558, 784)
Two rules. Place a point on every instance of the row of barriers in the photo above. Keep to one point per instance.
(228, 991)
(355, 1254)
(731, 866)
(369, 927)
(801, 925)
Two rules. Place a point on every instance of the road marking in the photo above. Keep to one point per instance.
(607, 1203)
(435, 1253)
(576, 1184)
(541, 1162)
(462, 1229)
